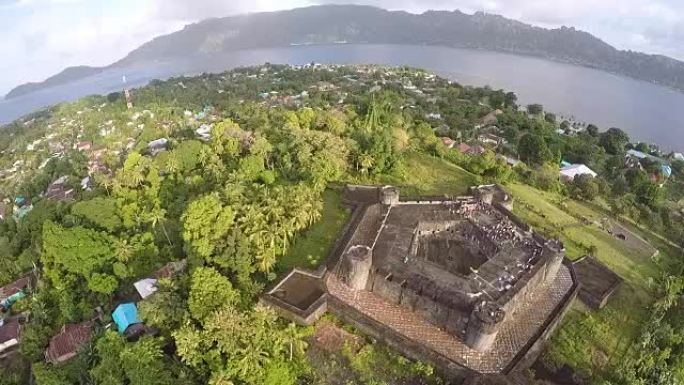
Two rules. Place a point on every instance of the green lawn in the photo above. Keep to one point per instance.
(426, 175)
(311, 247)
(530, 200)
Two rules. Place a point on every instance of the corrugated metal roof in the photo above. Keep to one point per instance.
(146, 287)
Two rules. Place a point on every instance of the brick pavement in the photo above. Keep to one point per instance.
(516, 331)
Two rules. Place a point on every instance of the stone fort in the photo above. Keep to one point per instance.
(460, 282)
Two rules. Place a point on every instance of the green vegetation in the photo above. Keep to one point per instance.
(310, 248)
(593, 343)
(249, 199)
(244, 185)
(426, 175)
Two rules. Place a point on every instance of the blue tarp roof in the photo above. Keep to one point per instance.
(125, 315)
(666, 169)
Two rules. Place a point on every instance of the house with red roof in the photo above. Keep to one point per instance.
(68, 342)
(10, 333)
(448, 142)
(463, 148)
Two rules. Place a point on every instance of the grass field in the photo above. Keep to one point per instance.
(312, 246)
(590, 341)
(426, 175)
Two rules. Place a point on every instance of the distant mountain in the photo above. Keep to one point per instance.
(364, 24)
(68, 75)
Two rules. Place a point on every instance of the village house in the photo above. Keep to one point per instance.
(666, 170)
(448, 142)
(32, 146)
(21, 208)
(463, 148)
(633, 162)
(96, 162)
(68, 342)
(325, 86)
(157, 146)
(130, 143)
(636, 154)
(476, 150)
(204, 132)
(10, 336)
(491, 139)
(489, 119)
(634, 159)
(86, 183)
(509, 160)
(22, 284)
(148, 286)
(56, 147)
(125, 316)
(60, 191)
(10, 328)
(569, 172)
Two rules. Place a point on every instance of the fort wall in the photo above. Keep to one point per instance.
(533, 349)
(409, 348)
(292, 313)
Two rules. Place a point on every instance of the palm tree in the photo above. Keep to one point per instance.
(135, 177)
(104, 181)
(173, 165)
(366, 161)
(205, 156)
(294, 338)
(124, 251)
(251, 360)
(221, 378)
(157, 216)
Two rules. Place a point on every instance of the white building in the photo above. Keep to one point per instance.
(146, 287)
(569, 173)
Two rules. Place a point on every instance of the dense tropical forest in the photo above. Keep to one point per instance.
(235, 177)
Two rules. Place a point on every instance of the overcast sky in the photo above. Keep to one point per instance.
(41, 37)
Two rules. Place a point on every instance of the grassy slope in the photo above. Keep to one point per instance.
(426, 175)
(588, 341)
(312, 246)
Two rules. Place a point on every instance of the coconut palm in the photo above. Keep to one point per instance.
(294, 339)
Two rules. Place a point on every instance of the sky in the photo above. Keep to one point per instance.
(39, 38)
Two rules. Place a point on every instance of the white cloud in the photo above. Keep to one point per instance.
(41, 37)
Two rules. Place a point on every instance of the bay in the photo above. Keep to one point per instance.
(646, 111)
